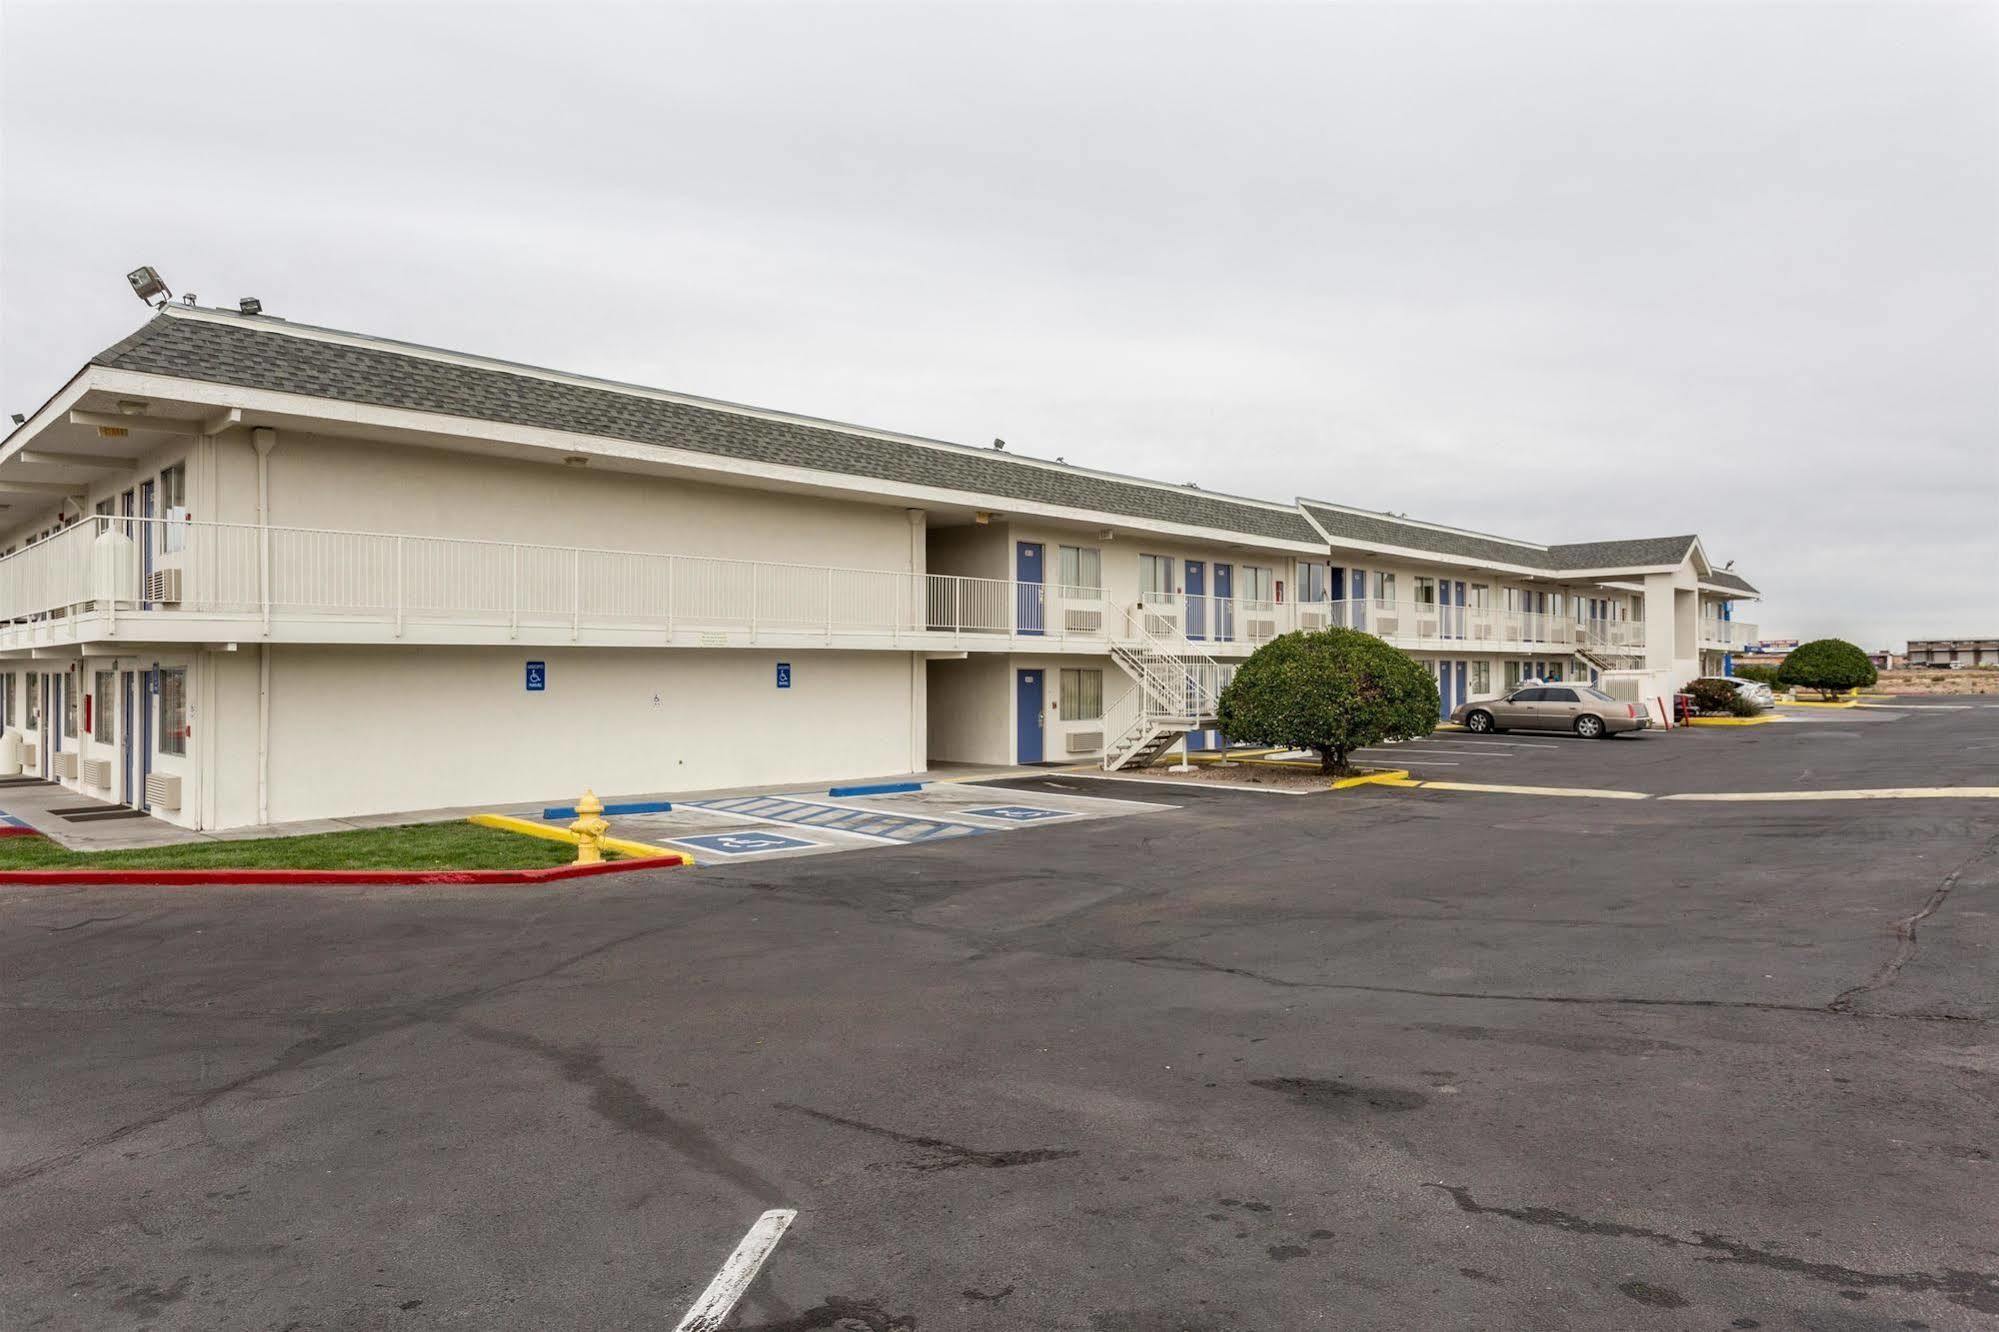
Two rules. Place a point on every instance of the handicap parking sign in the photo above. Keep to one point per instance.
(537, 677)
(784, 675)
(1020, 813)
(744, 843)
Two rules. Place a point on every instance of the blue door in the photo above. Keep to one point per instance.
(1027, 692)
(1028, 613)
(1224, 608)
(1197, 603)
(128, 691)
(149, 688)
(1444, 704)
(1463, 670)
(1358, 597)
(1458, 622)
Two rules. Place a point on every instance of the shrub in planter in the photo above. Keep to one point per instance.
(1829, 665)
(1714, 697)
(1741, 705)
(1332, 692)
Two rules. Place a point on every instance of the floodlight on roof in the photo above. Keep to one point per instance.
(147, 283)
(250, 305)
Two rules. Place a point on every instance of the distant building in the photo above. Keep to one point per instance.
(1887, 659)
(1770, 647)
(1950, 652)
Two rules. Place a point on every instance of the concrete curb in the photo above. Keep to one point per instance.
(306, 876)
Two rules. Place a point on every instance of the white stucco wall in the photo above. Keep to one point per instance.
(377, 730)
(971, 709)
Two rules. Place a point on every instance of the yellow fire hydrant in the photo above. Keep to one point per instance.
(590, 827)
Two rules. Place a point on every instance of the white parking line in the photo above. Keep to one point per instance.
(713, 1308)
(1884, 793)
(1406, 751)
(1459, 739)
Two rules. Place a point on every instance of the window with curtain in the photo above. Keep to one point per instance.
(1155, 575)
(1082, 694)
(100, 715)
(1081, 570)
(1426, 591)
(1258, 583)
(173, 710)
(1384, 588)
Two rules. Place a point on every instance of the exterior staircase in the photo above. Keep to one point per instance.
(1172, 693)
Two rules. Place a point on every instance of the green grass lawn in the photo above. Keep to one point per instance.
(411, 846)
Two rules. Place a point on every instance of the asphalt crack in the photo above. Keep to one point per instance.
(1961, 1286)
(1906, 943)
(943, 1155)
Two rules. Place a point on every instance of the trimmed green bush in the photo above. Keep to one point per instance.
(1829, 665)
(1741, 705)
(1757, 674)
(1714, 697)
(1331, 692)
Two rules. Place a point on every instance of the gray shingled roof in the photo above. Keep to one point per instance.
(1384, 529)
(1641, 553)
(1722, 578)
(230, 353)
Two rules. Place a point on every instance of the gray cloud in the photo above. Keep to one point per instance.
(1560, 272)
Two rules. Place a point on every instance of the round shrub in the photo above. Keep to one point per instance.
(1331, 692)
(1714, 697)
(1756, 674)
(1829, 665)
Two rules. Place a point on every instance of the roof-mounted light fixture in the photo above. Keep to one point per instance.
(250, 305)
(147, 283)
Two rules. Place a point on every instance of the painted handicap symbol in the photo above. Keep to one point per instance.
(744, 844)
(1020, 813)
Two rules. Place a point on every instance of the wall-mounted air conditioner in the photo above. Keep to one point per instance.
(163, 790)
(1312, 619)
(1259, 630)
(1083, 742)
(95, 772)
(163, 585)
(1083, 621)
(64, 763)
(31, 757)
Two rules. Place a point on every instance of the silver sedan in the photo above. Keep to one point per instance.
(1576, 708)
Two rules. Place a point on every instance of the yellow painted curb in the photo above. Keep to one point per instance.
(617, 845)
(1392, 777)
(1728, 721)
(1817, 703)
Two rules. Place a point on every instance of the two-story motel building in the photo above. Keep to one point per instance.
(254, 571)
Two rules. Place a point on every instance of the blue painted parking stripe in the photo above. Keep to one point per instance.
(884, 788)
(629, 807)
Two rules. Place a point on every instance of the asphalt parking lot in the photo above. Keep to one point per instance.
(1382, 1058)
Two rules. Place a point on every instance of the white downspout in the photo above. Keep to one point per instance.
(264, 439)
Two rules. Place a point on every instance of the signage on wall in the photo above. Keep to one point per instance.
(537, 677)
(784, 675)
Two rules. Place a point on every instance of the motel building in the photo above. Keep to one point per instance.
(253, 571)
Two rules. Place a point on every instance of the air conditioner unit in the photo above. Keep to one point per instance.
(1259, 630)
(1161, 626)
(163, 585)
(1311, 619)
(95, 772)
(30, 756)
(65, 763)
(1083, 742)
(163, 790)
(1083, 621)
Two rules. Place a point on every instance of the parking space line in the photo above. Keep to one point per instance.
(712, 1310)
(895, 829)
(1405, 751)
(1882, 793)
(1580, 793)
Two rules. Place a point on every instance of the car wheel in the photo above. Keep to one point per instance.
(1589, 728)
(1481, 722)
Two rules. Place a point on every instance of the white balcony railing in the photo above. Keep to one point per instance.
(164, 570)
(1730, 635)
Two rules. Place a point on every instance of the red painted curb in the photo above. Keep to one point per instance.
(269, 876)
(9, 830)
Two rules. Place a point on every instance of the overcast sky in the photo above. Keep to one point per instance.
(1556, 271)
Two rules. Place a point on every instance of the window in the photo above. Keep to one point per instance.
(1312, 582)
(6, 699)
(31, 708)
(1531, 696)
(1426, 591)
(1081, 571)
(1481, 596)
(1559, 696)
(100, 716)
(1384, 588)
(173, 508)
(1257, 583)
(69, 707)
(104, 508)
(1481, 677)
(1155, 575)
(173, 710)
(1082, 695)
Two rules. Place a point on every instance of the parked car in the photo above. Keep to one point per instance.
(1756, 692)
(1587, 712)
